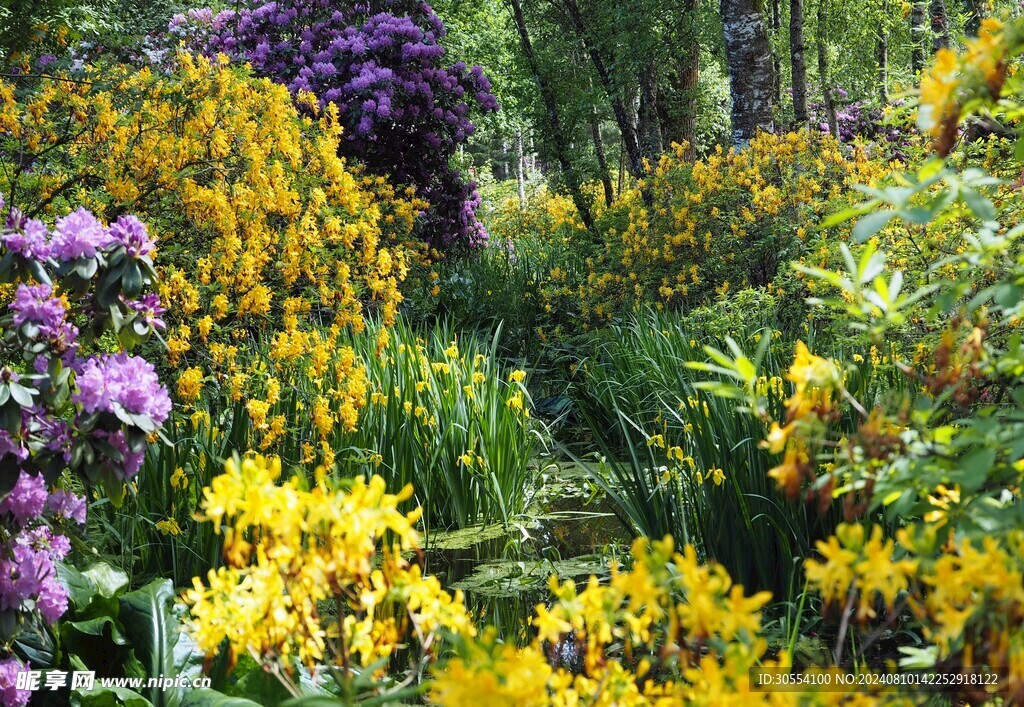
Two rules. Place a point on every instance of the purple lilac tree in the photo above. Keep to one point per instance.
(69, 417)
(381, 63)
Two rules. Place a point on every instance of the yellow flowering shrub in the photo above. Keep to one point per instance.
(264, 233)
(316, 572)
(670, 631)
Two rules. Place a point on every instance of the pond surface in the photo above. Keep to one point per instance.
(571, 531)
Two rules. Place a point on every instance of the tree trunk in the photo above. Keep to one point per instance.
(559, 138)
(602, 159)
(882, 57)
(940, 25)
(748, 53)
(520, 176)
(823, 77)
(776, 62)
(975, 11)
(917, 29)
(689, 72)
(649, 127)
(630, 137)
(799, 61)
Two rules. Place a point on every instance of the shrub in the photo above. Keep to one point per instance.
(69, 415)
(267, 235)
(319, 542)
(380, 62)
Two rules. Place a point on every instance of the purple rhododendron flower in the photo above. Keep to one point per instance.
(27, 499)
(150, 309)
(119, 379)
(37, 305)
(10, 695)
(66, 505)
(30, 241)
(78, 235)
(132, 234)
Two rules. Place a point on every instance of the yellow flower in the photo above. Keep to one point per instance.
(168, 526)
(179, 480)
(190, 384)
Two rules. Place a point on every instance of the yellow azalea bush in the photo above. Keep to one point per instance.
(264, 232)
(316, 573)
(937, 459)
(670, 631)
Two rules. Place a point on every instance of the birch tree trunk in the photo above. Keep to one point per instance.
(940, 25)
(917, 29)
(823, 77)
(520, 159)
(748, 53)
(798, 60)
(882, 57)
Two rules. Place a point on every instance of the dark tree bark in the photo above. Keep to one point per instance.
(940, 25)
(748, 53)
(688, 68)
(799, 61)
(628, 128)
(917, 29)
(823, 77)
(649, 126)
(975, 13)
(559, 138)
(882, 57)
(602, 159)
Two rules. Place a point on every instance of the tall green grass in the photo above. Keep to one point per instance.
(472, 411)
(636, 385)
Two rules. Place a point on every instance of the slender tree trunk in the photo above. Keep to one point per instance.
(882, 57)
(823, 77)
(650, 129)
(750, 68)
(940, 25)
(558, 135)
(799, 61)
(622, 166)
(975, 12)
(520, 159)
(776, 62)
(602, 159)
(917, 29)
(630, 137)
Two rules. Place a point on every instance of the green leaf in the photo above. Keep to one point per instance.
(871, 224)
(81, 588)
(108, 580)
(977, 203)
(108, 697)
(211, 698)
(154, 629)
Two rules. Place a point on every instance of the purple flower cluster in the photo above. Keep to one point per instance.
(36, 305)
(77, 235)
(130, 232)
(10, 695)
(28, 573)
(857, 120)
(28, 563)
(58, 411)
(30, 241)
(109, 382)
(380, 62)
